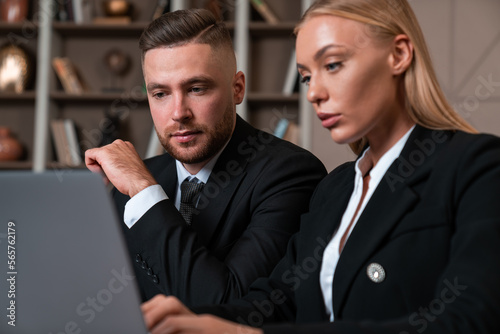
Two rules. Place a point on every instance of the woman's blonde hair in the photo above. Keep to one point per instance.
(427, 105)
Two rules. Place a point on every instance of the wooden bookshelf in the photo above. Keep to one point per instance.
(29, 113)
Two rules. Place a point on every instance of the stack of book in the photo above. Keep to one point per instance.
(77, 11)
(66, 142)
(68, 76)
(262, 7)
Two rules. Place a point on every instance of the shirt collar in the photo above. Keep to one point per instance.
(203, 174)
(378, 171)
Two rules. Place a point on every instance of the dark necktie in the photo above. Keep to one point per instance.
(189, 196)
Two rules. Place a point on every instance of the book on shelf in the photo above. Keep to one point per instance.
(58, 140)
(61, 12)
(77, 11)
(287, 130)
(162, 7)
(73, 144)
(87, 10)
(281, 127)
(292, 76)
(66, 142)
(292, 133)
(265, 11)
(68, 76)
(68, 7)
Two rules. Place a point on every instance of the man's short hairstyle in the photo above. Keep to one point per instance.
(185, 26)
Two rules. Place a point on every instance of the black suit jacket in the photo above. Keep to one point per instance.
(248, 210)
(433, 224)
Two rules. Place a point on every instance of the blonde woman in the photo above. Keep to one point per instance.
(406, 239)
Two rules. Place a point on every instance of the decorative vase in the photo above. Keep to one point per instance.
(13, 10)
(10, 148)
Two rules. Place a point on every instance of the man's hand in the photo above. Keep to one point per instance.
(168, 315)
(121, 165)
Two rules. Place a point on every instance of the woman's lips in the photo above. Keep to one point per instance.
(328, 120)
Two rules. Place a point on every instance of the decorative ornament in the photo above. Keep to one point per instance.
(13, 10)
(10, 148)
(15, 69)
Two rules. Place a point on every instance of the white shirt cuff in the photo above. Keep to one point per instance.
(138, 205)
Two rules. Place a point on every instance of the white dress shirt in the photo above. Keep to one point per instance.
(138, 205)
(331, 255)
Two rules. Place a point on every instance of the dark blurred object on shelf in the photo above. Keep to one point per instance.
(13, 10)
(215, 7)
(110, 127)
(118, 63)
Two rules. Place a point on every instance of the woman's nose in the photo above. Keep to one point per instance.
(316, 91)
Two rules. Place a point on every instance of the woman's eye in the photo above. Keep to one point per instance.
(333, 66)
(305, 80)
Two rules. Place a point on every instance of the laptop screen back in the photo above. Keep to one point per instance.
(64, 267)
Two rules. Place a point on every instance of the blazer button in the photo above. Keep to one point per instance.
(144, 265)
(375, 272)
(138, 258)
(150, 272)
(155, 279)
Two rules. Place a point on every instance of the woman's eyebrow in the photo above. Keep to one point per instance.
(322, 51)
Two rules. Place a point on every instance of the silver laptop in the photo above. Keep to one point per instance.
(64, 267)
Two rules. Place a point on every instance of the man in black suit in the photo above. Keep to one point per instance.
(254, 185)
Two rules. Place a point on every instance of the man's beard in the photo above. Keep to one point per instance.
(217, 138)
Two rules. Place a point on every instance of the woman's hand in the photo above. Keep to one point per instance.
(156, 310)
(164, 315)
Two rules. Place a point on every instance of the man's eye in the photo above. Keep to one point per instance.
(305, 80)
(158, 95)
(197, 89)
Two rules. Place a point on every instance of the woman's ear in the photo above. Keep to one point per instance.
(401, 55)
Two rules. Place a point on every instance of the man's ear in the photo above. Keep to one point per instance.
(401, 54)
(238, 87)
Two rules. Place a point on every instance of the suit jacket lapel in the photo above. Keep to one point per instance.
(338, 191)
(320, 225)
(167, 177)
(392, 199)
(222, 184)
